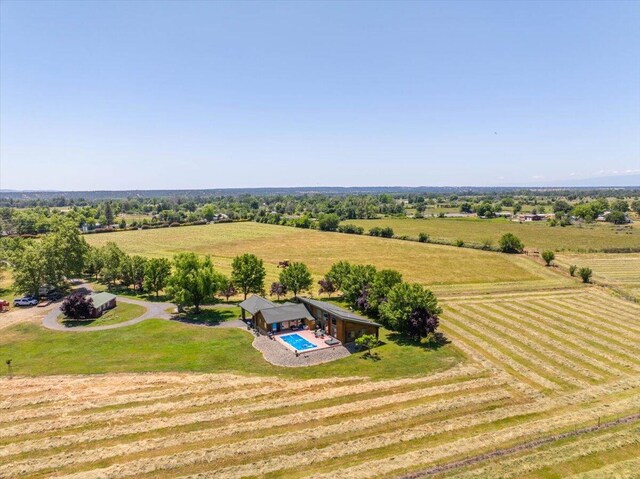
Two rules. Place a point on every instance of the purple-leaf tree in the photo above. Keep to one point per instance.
(78, 306)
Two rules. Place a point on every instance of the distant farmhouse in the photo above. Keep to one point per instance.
(526, 217)
(307, 313)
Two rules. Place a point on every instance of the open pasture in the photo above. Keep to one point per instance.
(438, 266)
(538, 366)
(535, 235)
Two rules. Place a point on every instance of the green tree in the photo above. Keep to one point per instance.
(156, 274)
(248, 274)
(227, 289)
(94, 262)
(338, 273)
(132, 271)
(620, 205)
(585, 274)
(616, 217)
(548, 256)
(368, 342)
(517, 208)
(384, 280)
(108, 214)
(510, 243)
(296, 277)
(635, 206)
(403, 304)
(359, 279)
(112, 256)
(194, 280)
(29, 270)
(328, 222)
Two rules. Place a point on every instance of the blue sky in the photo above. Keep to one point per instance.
(122, 95)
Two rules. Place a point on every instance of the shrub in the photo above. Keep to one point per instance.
(572, 269)
(375, 231)
(386, 232)
(585, 274)
(423, 238)
(351, 229)
(510, 243)
(487, 244)
(328, 222)
(548, 256)
(459, 243)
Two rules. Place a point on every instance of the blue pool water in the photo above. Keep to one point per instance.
(298, 342)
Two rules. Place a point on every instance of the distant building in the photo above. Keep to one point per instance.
(533, 217)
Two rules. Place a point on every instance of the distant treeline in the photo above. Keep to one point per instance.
(35, 216)
(63, 198)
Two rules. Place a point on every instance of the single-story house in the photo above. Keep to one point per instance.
(103, 302)
(340, 323)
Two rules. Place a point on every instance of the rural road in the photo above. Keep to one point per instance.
(153, 310)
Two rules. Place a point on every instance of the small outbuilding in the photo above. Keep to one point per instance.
(103, 302)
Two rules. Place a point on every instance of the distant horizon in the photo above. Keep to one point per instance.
(633, 183)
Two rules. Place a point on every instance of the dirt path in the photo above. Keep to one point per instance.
(22, 315)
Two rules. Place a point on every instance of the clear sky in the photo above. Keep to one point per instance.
(142, 95)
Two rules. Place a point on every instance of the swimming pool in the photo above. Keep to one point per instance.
(297, 342)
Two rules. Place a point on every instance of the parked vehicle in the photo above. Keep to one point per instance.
(55, 296)
(26, 301)
(4, 305)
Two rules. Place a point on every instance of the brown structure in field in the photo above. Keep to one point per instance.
(308, 313)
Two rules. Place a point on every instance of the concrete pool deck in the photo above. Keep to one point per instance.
(279, 353)
(305, 334)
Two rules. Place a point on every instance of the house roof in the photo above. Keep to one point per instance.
(285, 312)
(337, 311)
(255, 303)
(100, 299)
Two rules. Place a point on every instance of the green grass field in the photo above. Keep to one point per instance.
(121, 313)
(536, 235)
(441, 267)
(160, 345)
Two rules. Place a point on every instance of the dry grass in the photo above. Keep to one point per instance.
(537, 235)
(439, 266)
(534, 368)
(621, 271)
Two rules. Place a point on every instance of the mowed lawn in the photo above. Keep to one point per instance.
(586, 238)
(423, 263)
(161, 345)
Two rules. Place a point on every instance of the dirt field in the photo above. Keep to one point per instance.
(577, 365)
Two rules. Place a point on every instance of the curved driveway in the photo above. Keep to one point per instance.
(153, 310)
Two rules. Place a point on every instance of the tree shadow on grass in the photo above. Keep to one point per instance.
(371, 356)
(207, 317)
(402, 340)
(74, 323)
